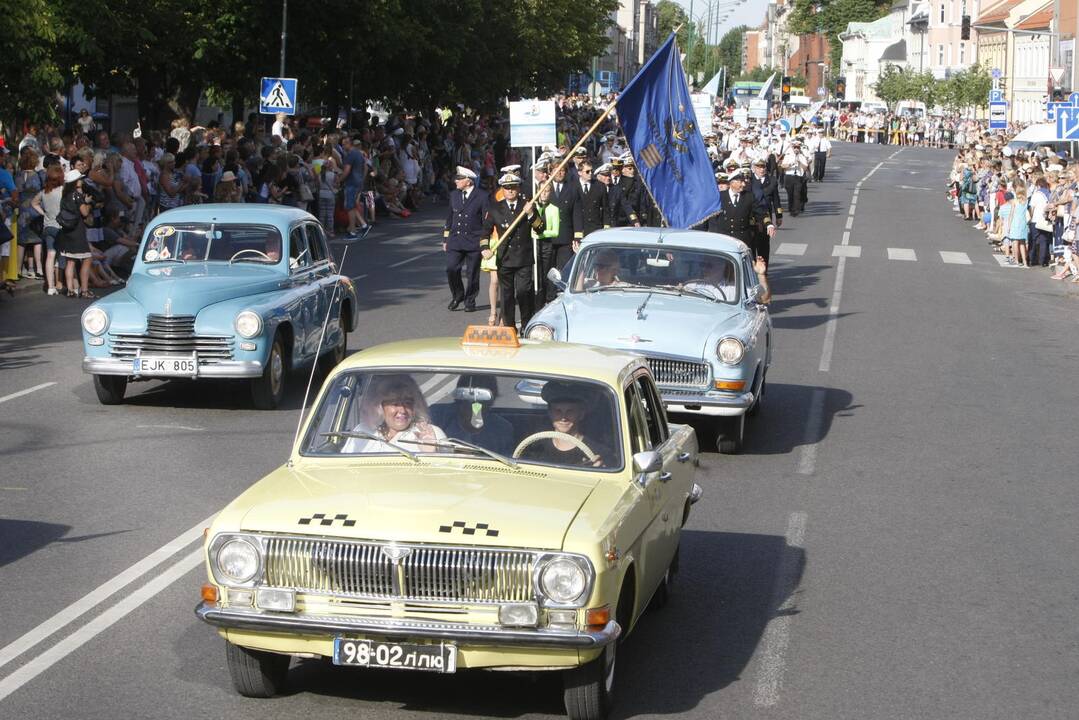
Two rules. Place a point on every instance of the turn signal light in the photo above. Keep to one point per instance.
(730, 384)
(209, 593)
(597, 617)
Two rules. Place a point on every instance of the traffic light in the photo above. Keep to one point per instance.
(965, 32)
(786, 91)
(841, 88)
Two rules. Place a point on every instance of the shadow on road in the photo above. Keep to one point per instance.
(19, 538)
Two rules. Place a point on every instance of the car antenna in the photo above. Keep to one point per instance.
(318, 350)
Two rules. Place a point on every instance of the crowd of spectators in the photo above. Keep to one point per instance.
(1025, 200)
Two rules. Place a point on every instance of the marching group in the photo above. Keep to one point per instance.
(1026, 201)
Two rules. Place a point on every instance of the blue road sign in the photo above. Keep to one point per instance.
(996, 96)
(998, 116)
(1052, 107)
(278, 95)
(996, 73)
(1068, 119)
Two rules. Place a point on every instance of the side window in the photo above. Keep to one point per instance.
(639, 439)
(654, 415)
(748, 272)
(299, 255)
(316, 240)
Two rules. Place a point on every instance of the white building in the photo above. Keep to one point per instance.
(864, 45)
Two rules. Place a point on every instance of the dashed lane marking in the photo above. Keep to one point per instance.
(955, 258)
(791, 249)
(777, 635)
(847, 251)
(850, 222)
(27, 391)
(406, 261)
(902, 254)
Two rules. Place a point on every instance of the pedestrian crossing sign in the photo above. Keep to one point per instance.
(278, 95)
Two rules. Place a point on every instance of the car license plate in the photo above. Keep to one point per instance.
(165, 366)
(398, 656)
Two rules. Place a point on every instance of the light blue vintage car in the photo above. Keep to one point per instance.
(222, 291)
(687, 301)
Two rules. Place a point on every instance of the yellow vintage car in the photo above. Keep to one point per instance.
(459, 503)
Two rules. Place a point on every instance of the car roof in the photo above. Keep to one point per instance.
(532, 357)
(234, 212)
(653, 237)
(1039, 132)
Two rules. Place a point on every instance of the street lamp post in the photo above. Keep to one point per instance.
(284, 33)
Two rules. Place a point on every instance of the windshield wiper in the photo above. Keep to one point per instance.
(360, 435)
(168, 259)
(618, 286)
(683, 290)
(458, 443)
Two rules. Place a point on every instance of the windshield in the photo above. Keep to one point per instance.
(712, 275)
(204, 242)
(508, 418)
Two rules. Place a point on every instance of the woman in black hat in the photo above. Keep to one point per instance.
(567, 407)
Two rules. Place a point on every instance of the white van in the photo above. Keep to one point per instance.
(1041, 135)
(874, 106)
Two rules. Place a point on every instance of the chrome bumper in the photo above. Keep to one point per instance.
(222, 369)
(719, 404)
(462, 633)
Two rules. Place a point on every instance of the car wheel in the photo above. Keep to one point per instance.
(330, 359)
(756, 409)
(730, 435)
(255, 673)
(268, 389)
(110, 388)
(589, 689)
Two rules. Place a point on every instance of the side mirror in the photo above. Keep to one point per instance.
(752, 294)
(555, 276)
(646, 463)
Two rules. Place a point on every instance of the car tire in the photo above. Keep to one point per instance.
(256, 673)
(759, 400)
(730, 435)
(588, 690)
(330, 359)
(110, 388)
(268, 389)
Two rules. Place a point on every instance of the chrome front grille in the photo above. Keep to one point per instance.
(426, 573)
(680, 373)
(171, 335)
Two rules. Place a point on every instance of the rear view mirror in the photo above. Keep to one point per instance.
(657, 262)
(473, 394)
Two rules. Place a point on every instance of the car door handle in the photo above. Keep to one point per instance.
(664, 476)
(684, 457)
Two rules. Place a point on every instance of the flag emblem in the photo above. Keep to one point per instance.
(651, 157)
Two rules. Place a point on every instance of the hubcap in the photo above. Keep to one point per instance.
(277, 369)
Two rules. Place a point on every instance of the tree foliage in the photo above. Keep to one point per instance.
(961, 90)
(831, 17)
(414, 53)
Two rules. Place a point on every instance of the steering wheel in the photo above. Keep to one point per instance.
(709, 283)
(251, 250)
(552, 434)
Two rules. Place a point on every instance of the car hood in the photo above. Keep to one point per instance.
(189, 288)
(425, 502)
(669, 324)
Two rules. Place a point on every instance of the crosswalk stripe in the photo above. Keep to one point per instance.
(1003, 261)
(847, 251)
(791, 249)
(902, 254)
(955, 258)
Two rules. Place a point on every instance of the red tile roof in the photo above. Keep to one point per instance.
(997, 12)
(1039, 19)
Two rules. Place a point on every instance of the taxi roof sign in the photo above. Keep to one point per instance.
(490, 336)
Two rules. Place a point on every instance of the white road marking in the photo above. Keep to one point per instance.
(359, 277)
(406, 261)
(87, 602)
(846, 251)
(27, 391)
(791, 249)
(171, 427)
(833, 316)
(911, 187)
(777, 635)
(853, 207)
(850, 221)
(846, 238)
(807, 463)
(19, 338)
(902, 254)
(955, 258)
(404, 240)
(99, 624)
(1003, 261)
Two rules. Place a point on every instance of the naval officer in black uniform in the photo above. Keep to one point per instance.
(461, 239)
(514, 250)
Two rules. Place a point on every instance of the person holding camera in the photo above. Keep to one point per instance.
(76, 215)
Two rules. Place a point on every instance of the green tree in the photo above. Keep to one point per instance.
(831, 17)
(892, 85)
(670, 15)
(29, 74)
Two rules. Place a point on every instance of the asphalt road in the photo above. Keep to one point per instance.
(896, 541)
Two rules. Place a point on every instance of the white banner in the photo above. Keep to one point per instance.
(532, 123)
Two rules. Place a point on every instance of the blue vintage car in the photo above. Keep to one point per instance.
(222, 291)
(686, 300)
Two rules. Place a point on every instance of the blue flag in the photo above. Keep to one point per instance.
(661, 128)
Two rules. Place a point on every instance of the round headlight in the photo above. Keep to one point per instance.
(563, 581)
(248, 324)
(541, 332)
(238, 560)
(95, 320)
(730, 350)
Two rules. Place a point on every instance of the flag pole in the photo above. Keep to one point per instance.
(561, 165)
